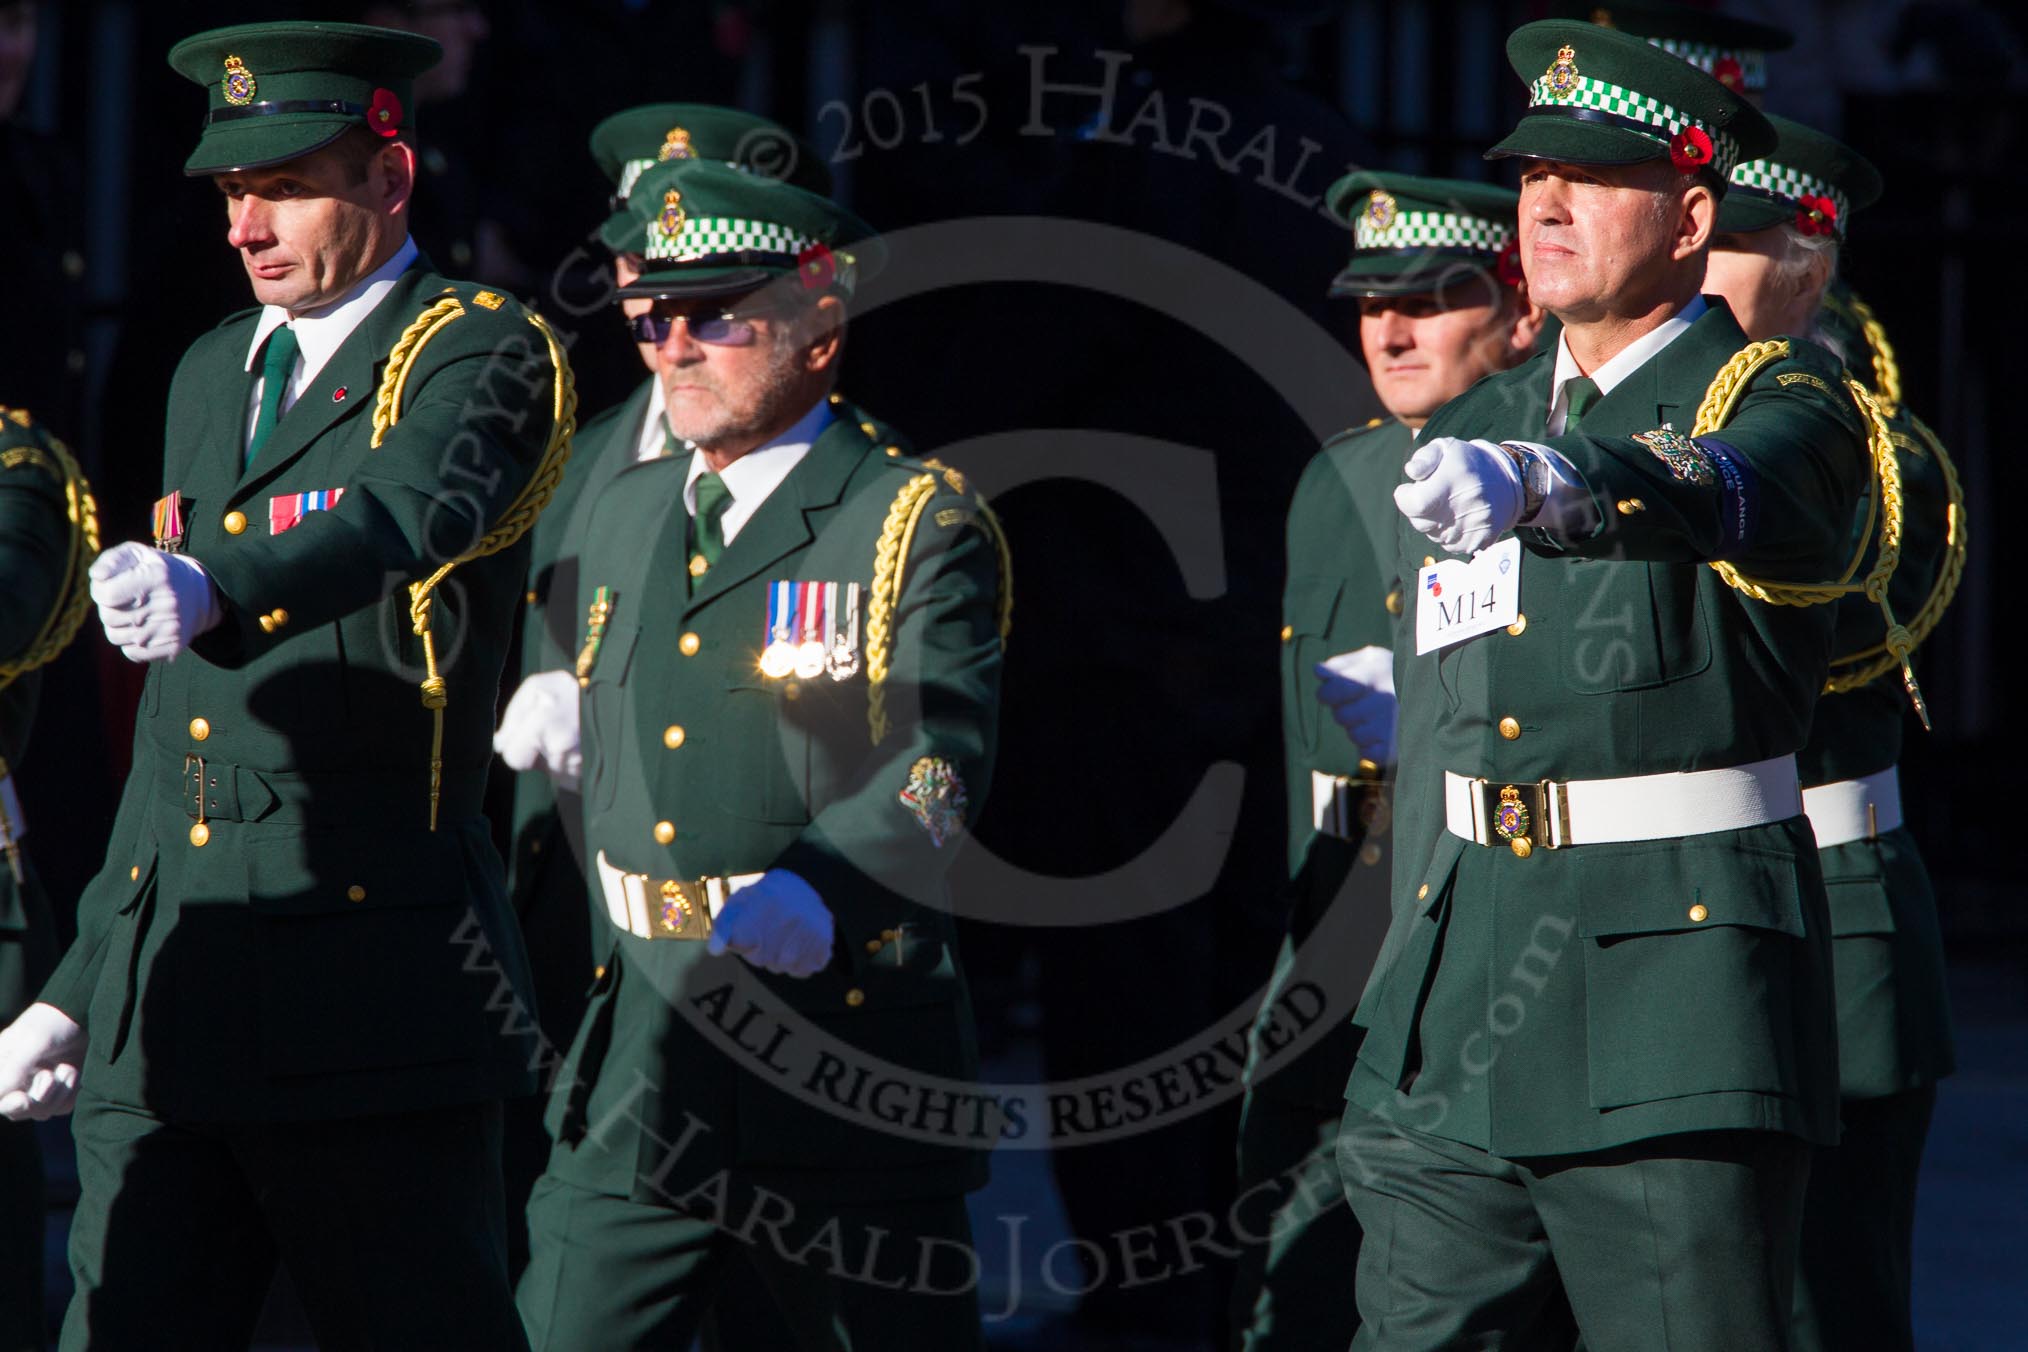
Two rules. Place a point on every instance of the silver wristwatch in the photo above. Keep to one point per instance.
(1534, 472)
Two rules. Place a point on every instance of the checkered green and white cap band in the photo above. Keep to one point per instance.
(1430, 230)
(712, 236)
(1790, 186)
(1708, 58)
(1653, 116)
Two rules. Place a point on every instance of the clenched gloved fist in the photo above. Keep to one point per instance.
(779, 924)
(1358, 689)
(40, 1054)
(1461, 494)
(152, 604)
(540, 728)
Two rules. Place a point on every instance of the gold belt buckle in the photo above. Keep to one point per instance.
(682, 909)
(1517, 815)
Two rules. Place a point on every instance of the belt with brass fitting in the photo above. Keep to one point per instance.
(1347, 807)
(665, 908)
(1854, 809)
(1553, 814)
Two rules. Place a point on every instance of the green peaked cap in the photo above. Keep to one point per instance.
(1731, 51)
(1412, 234)
(703, 228)
(1598, 96)
(629, 143)
(279, 90)
(1810, 179)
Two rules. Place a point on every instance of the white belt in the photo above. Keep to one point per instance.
(13, 826)
(1854, 809)
(1552, 814)
(666, 908)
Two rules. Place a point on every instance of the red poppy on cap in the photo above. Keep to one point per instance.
(1690, 149)
(1507, 267)
(1816, 215)
(383, 115)
(1728, 73)
(816, 267)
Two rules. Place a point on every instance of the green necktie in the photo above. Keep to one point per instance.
(1579, 395)
(276, 367)
(707, 535)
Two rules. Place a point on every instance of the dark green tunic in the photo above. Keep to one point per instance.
(776, 773)
(1635, 1020)
(339, 956)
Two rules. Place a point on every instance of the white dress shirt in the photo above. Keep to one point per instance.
(321, 332)
(654, 424)
(1624, 363)
(760, 471)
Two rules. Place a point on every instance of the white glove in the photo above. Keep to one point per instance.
(779, 924)
(1358, 689)
(540, 727)
(152, 604)
(40, 1053)
(1462, 494)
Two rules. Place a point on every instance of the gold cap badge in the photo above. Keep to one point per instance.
(238, 83)
(672, 218)
(1381, 209)
(1562, 73)
(676, 146)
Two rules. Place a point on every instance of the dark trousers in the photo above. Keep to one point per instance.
(1859, 1225)
(20, 1239)
(1297, 1238)
(1677, 1244)
(607, 1272)
(390, 1226)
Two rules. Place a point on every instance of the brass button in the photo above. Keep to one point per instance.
(689, 644)
(1428, 560)
(531, 598)
(1519, 626)
(873, 945)
(890, 935)
(199, 833)
(1699, 914)
(792, 690)
(1369, 854)
(699, 565)
(664, 832)
(1628, 506)
(1521, 846)
(1288, 632)
(1422, 892)
(1394, 602)
(235, 522)
(267, 623)
(893, 450)
(134, 873)
(199, 729)
(355, 893)
(855, 997)
(599, 972)
(280, 617)
(672, 736)
(1510, 729)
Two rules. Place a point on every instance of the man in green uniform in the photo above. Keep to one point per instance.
(296, 994)
(790, 671)
(48, 535)
(545, 872)
(1781, 228)
(1599, 1040)
(1440, 305)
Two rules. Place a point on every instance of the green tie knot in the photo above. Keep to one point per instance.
(713, 498)
(278, 363)
(1578, 395)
